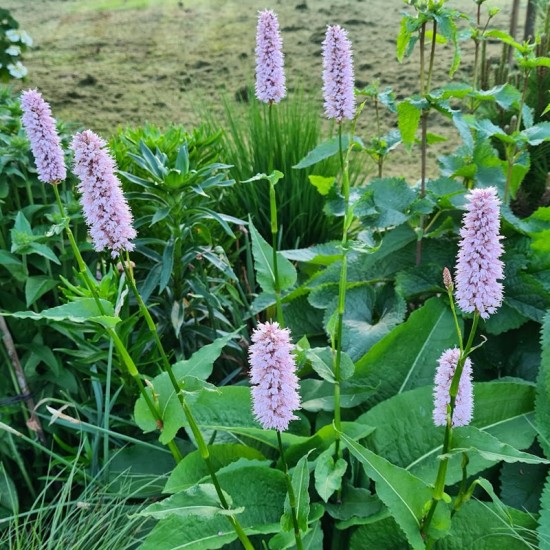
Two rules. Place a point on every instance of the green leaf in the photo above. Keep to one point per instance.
(542, 406)
(406, 358)
(405, 495)
(386, 202)
(37, 286)
(300, 485)
(369, 536)
(358, 506)
(484, 526)
(167, 265)
(259, 491)
(199, 500)
(318, 395)
(201, 363)
(503, 409)
(329, 474)
(408, 118)
(322, 183)
(263, 264)
(9, 500)
(323, 151)
(472, 440)
(80, 310)
(538, 133)
(322, 361)
(543, 529)
(44, 251)
(521, 485)
(193, 469)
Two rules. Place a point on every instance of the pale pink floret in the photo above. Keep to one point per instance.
(105, 209)
(338, 79)
(464, 404)
(45, 143)
(478, 267)
(270, 75)
(272, 375)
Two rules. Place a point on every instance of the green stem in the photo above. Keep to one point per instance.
(432, 57)
(274, 238)
(205, 454)
(341, 290)
(121, 348)
(203, 448)
(291, 495)
(439, 488)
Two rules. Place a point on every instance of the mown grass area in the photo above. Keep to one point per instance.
(111, 63)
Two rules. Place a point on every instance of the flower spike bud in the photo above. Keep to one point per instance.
(464, 404)
(448, 280)
(273, 378)
(45, 143)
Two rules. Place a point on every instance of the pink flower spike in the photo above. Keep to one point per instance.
(270, 75)
(478, 267)
(45, 143)
(338, 79)
(106, 211)
(272, 375)
(464, 405)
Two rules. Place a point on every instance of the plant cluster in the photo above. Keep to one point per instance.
(385, 387)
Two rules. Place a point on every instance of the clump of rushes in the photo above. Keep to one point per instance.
(270, 75)
(106, 211)
(478, 268)
(273, 377)
(478, 291)
(45, 143)
(338, 76)
(339, 96)
(464, 405)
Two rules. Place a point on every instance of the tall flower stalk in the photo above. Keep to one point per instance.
(478, 291)
(338, 91)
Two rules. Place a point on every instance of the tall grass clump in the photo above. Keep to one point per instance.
(254, 146)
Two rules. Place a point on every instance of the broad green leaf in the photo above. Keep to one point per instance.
(538, 133)
(328, 473)
(521, 485)
(542, 407)
(470, 439)
(483, 526)
(199, 500)
(406, 358)
(201, 363)
(300, 485)
(193, 468)
(323, 361)
(386, 202)
(263, 264)
(259, 491)
(503, 409)
(369, 536)
(80, 310)
(358, 506)
(44, 251)
(323, 151)
(408, 118)
(543, 529)
(37, 286)
(318, 395)
(404, 494)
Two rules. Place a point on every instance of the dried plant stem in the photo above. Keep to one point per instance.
(33, 422)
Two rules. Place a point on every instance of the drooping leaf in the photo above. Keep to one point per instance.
(263, 264)
(323, 151)
(193, 469)
(404, 494)
(408, 118)
(329, 473)
(37, 286)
